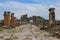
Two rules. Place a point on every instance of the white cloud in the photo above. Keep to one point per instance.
(31, 9)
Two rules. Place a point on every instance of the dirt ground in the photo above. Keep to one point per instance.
(25, 32)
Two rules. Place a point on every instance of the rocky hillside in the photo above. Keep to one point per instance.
(25, 32)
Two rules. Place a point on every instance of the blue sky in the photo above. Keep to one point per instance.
(30, 7)
(34, 1)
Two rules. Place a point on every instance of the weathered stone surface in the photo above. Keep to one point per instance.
(9, 20)
(51, 16)
(13, 20)
(6, 18)
(38, 20)
(24, 19)
(25, 32)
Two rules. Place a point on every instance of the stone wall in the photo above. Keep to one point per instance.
(24, 19)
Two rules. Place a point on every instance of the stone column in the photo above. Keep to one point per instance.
(51, 16)
(13, 20)
(6, 18)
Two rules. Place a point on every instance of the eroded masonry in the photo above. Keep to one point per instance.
(51, 16)
(10, 19)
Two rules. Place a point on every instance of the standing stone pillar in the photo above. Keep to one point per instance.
(13, 20)
(6, 18)
(51, 16)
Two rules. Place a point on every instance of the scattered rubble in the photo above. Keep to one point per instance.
(25, 32)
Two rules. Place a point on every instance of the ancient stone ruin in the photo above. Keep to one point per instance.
(38, 20)
(13, 20)
(51, 16)
(9, 20)
(24, 19)
(44, 24)
(6, 18)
